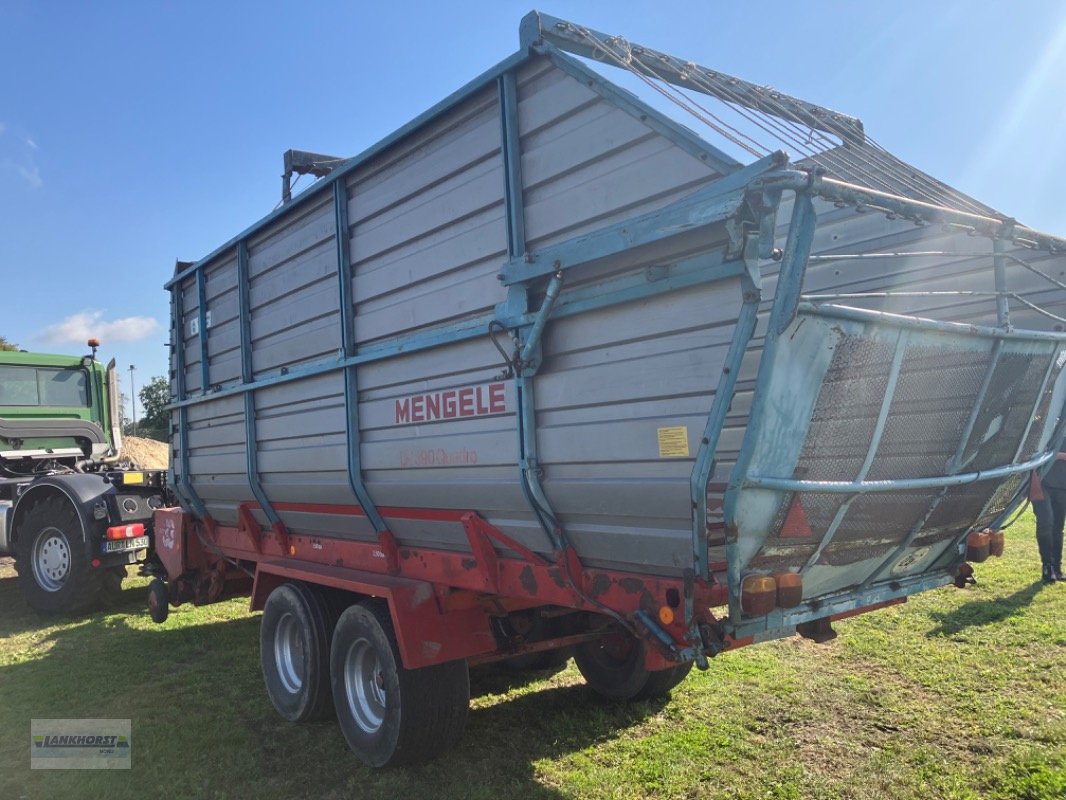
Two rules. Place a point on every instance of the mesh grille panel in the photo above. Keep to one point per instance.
(934, 398)
(846, 412)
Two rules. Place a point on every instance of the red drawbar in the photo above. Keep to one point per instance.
(796, 525)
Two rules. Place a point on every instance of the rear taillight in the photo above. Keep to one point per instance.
(758, 594)
(789, 589)
(996, 543)
(977, 546)
(126, 531)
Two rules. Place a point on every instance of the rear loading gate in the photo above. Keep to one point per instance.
(603, 442)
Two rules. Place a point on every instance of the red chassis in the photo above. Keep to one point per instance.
(442, 602)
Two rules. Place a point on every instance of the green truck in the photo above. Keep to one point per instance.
(73, 513)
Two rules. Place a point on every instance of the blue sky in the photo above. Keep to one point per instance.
(136, 133)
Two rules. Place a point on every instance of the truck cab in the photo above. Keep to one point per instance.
(73, 512)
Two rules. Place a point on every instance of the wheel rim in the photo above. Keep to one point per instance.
(289, 653)
(51, 559)
(364, 685)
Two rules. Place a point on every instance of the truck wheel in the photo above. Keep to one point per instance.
(390, 715)
(54, 575)
(614, 668)
(294, 652)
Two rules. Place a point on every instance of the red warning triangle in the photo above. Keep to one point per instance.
(796, 525)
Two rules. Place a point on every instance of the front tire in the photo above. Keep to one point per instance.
(294, 637)
(54, 575)
(390, 715)
(613, 667)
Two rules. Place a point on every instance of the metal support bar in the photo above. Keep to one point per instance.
(910, 484)
(869, 316)
(351, 384)
(512, 164)
(999, 266)
(723, 399)
(541, 318)
(251, 440)
(853, 195)
(184, 485)
(201, 295)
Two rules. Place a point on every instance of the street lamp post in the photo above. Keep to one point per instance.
(133, 400)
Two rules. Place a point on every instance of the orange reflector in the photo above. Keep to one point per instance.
(795, 524)
(292, 550)
(126, 531)
(666, 615)
(789, 589)
(977, 546)
(996, 543)
(758, 594)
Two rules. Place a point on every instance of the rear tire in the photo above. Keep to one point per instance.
(390, 715)
(613, 667)
(52, 561)
(294, 638)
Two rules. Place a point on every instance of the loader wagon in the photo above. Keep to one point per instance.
(547, 372)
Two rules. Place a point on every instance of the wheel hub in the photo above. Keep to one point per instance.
(289, 653)
(364, 685)
(51, 559)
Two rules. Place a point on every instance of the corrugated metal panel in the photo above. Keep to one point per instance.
(586, 163)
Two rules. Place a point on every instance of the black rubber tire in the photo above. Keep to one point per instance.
(303, 693)
(158, 601)
(81, 587)
(661, 682)
(424, 711)
(613, 667)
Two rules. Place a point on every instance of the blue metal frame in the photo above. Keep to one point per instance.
(205, 362)
(251, 440)
(351, 383)
(183, 485)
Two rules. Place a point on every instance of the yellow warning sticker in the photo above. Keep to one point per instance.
(673, 442)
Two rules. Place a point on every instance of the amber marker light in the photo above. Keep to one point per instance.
(996, 543)
(789, 589)
(666, 615)
(758, 594)
(977, 546)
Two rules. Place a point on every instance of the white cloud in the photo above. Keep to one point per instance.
(19, 156)
(77, 328)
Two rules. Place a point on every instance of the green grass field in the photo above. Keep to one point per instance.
(956, 694)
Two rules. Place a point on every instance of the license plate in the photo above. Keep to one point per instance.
(120, 545)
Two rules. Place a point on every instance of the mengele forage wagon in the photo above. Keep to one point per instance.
(547, 372)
